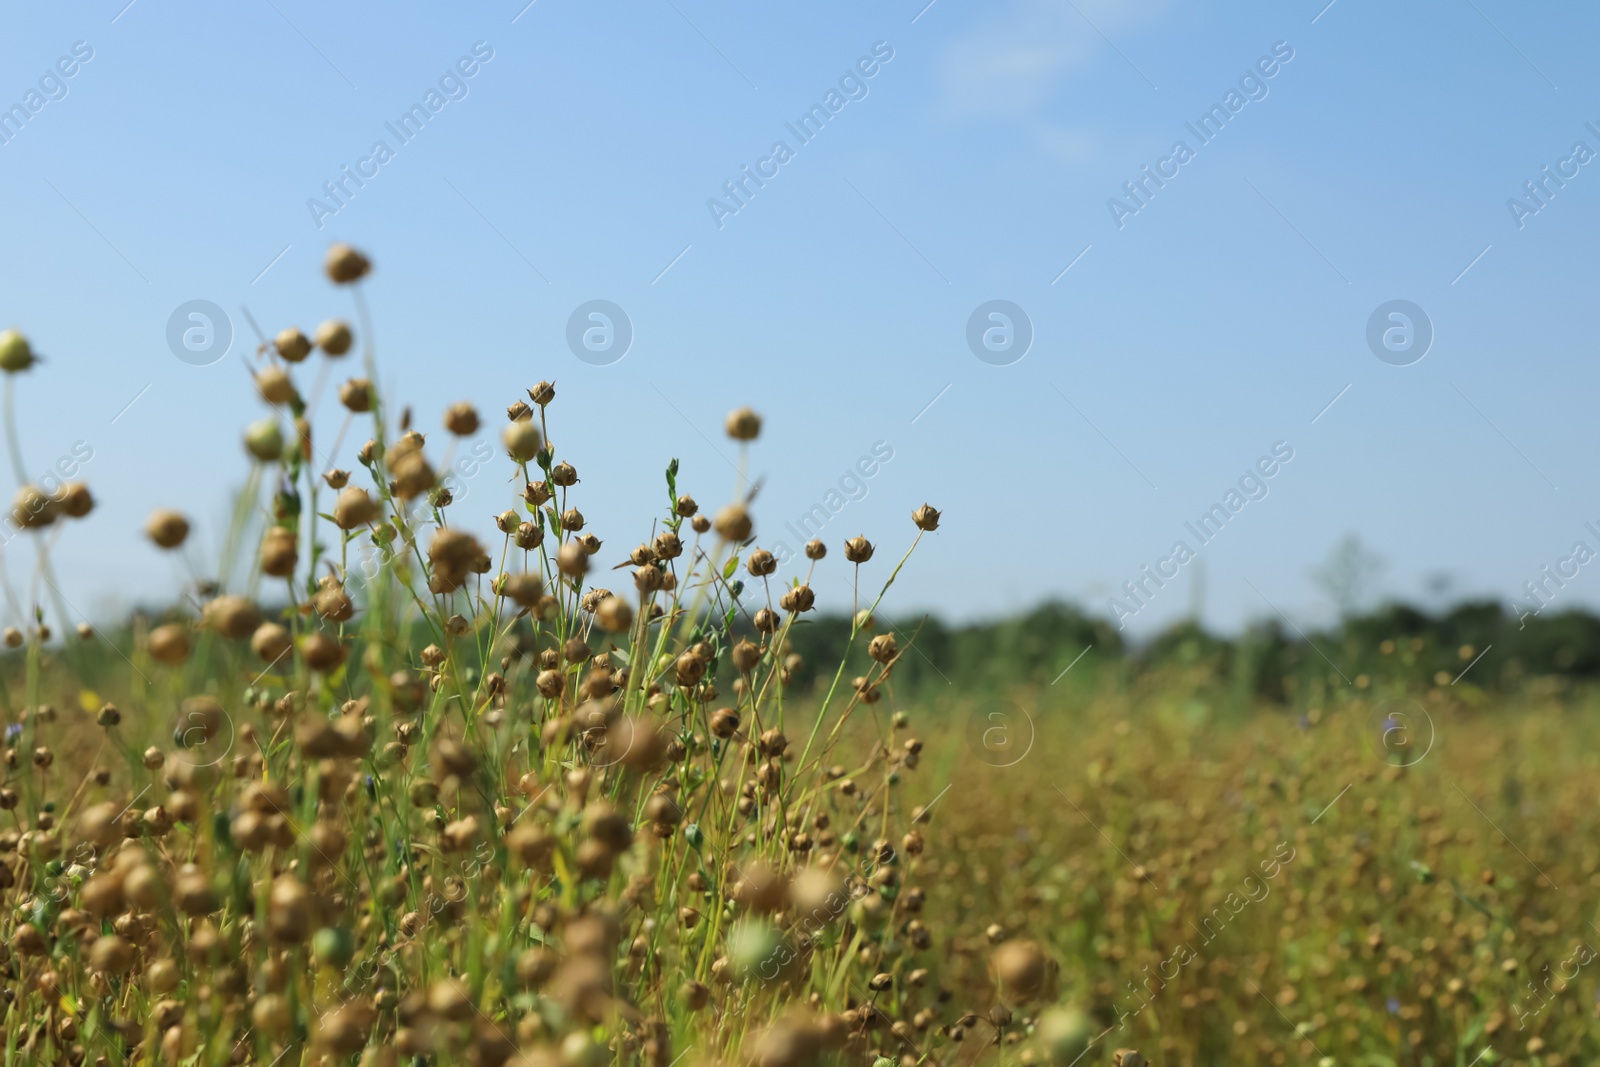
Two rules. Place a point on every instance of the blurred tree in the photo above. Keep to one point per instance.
(1349, 575)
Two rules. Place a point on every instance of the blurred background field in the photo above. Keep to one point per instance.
(1432, 836)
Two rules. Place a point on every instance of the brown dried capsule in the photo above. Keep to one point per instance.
(322, 653)
(668, 546)
(662, 809)
(279, 552)
(333, 603)
(112, 955)
(289, 909)
(858, 550)
(271, 642)
(724, 722)
(454, 555)
(761, 563)
(746, 654)
(1020, 967)
(572, 560)
(336, 478)
(614, 615)
(274, 385)
(168, 644)
(815, 549)
(231, 616)
(648, 580)
(74, 500)
(883, 648)
(733, 523)
(926, 517)
(461, 419)
(542, 393)
(356, 395)
(334, 337)
(345, 265)
(354, 508)
(527, 536)
(564, 474)
(689, 668)
(767, 621)
(33, 508)
(526, 589)
(743, 424)
(292, 345)
(799, 599)
(168, 529)
(694, 996)
(537, 493)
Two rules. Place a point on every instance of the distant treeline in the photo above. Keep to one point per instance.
(1267, 661)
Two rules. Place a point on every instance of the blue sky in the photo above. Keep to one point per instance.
(976, 164)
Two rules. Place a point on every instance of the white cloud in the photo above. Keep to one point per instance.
(1012, 66)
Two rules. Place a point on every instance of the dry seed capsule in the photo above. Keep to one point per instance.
(334, 337)
(572, 560)
(274, 385)
(231, 616)
(858, 550)
(270, 642)
(746, 654)
(668, 545)
(334, 604)
(292, 345)
(279, 552)
(354, 508)
(1020, 965)
(724, 723)
(168, 644)
(345, 265)
(926, 518)
(733, 523)
(461, 419)
(743, 424)
(356, 395)
(799, 599)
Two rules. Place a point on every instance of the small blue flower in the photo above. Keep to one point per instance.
(13, 731)
(1393, 1004)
